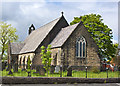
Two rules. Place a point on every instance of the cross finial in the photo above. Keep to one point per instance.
(62, 13)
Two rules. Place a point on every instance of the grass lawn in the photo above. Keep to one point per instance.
(81, 74)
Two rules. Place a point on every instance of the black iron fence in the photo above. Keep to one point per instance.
(60, 71)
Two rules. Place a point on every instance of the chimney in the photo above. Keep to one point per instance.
(31, 28)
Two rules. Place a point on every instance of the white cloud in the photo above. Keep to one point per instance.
(36, 12)
(29, 8)
(88, 6)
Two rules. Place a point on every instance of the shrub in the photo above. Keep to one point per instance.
(28, 63)
(95, 70)
(46, 57)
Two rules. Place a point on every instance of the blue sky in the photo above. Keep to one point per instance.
(22, 14)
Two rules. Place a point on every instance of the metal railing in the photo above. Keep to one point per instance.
(60, 71)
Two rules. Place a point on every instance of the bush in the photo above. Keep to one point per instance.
(28, 63)
(95, 70)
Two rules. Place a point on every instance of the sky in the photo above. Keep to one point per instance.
(21, 14)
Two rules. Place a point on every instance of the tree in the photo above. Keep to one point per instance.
(7, 33)
(115, 59)
(28, 63)
(100, 32)
(46, 57)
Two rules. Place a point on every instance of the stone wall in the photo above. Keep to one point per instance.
(14, 58)
(56, 80)
(92, 58)
(37, 59)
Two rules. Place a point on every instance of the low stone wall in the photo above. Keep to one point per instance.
(54, 80)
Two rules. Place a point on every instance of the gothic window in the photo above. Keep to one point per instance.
(81, 47)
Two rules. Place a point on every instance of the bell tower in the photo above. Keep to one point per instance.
(31, 28)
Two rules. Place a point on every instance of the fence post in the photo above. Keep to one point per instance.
(86, 71)
(60, 70)
(107, 72)
(29, 72)
(118, 71)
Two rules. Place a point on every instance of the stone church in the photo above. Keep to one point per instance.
(72, 45)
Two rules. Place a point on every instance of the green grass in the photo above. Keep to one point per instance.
(80, 74)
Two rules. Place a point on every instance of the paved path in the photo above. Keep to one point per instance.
(86, 84)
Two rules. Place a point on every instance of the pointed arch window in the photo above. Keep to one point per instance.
(81, 47)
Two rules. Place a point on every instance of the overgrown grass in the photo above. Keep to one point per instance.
(80, 74)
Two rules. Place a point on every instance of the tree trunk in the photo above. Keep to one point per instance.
(2, 54)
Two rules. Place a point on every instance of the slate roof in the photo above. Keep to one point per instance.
(37, 36)
(16, 47)
(63, 35)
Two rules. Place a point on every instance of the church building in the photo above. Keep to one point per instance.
(71, 45)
